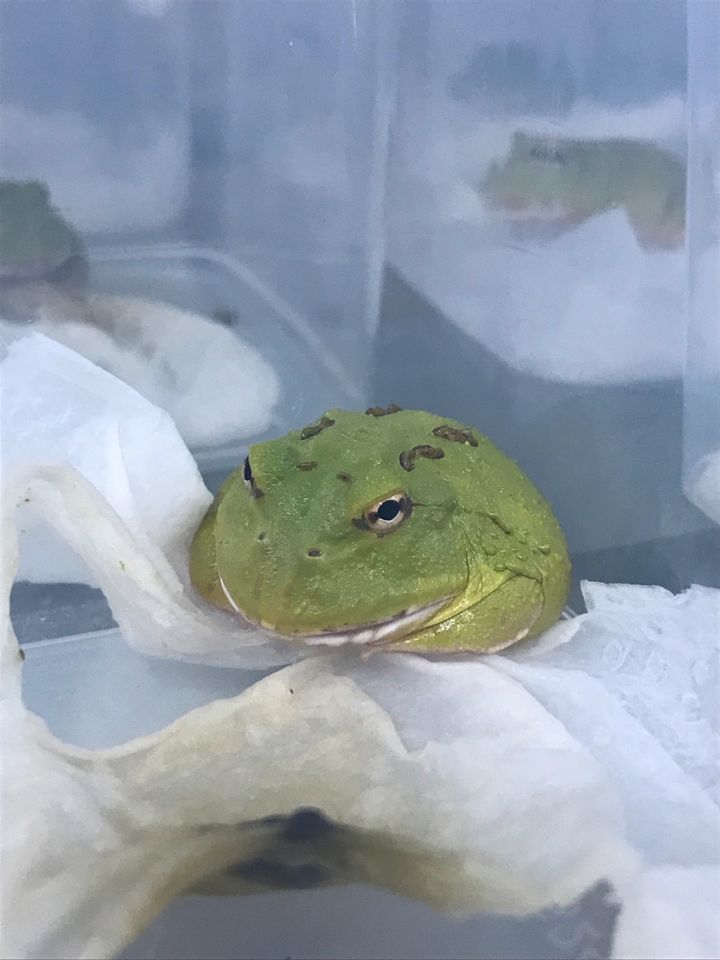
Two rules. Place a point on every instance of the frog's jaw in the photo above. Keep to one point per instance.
(379, 631)
(517, 610)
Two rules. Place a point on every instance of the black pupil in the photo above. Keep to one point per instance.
(247, 471)
(388, 510)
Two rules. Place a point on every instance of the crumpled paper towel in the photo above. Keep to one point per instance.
(98, 472)
(508, 783)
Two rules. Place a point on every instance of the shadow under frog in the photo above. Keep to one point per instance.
(306, 850)
(296, 852)
(548, 185)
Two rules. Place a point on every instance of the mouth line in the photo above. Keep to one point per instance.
(534, 210)
(368, 633)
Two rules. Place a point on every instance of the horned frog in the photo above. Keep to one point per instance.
(390, 529)
(565, 182)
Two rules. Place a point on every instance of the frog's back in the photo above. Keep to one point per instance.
(481, 477)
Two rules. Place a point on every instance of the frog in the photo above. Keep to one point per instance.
(564, 182)
(389, 529)
(36, 241)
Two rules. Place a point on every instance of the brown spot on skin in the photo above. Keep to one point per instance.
(408, 457)
(446, 432)
(383, 411)
(308, 465)
(257, 493)
(499, 522)
(21, 653)
(315, 428)
(344, 476)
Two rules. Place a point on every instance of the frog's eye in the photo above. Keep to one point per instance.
(248, 475)
(386, 515)
(249, 480)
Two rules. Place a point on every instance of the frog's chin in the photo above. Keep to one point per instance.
(378, 631)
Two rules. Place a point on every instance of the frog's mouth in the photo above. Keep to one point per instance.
(376, 631)
(515, 208)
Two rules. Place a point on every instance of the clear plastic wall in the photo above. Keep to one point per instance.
(536, 209)
(475, 207)
(702, 374)
(222, 159)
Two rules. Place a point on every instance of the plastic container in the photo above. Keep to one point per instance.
(249, 161)
(538, 182)
(212, 283)
(171, 137)
(536, 212)
(702, 374)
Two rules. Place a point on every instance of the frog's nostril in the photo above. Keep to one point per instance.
(314, 552)
(261, 535)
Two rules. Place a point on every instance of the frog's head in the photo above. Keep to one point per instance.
(383, 526)
(346, 530)
(541, 176)
(35, 240)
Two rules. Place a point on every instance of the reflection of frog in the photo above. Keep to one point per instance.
(36, 243)
(564, 182)
(397, 529)
(171, 356)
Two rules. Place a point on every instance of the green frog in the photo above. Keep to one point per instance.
(564, 182)
(36, 242)
(392, 529)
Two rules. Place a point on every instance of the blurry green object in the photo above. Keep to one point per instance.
(564, 182)
(36, 242)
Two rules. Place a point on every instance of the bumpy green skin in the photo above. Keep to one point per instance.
(35, 240)
(478, 534)
(568, 181)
